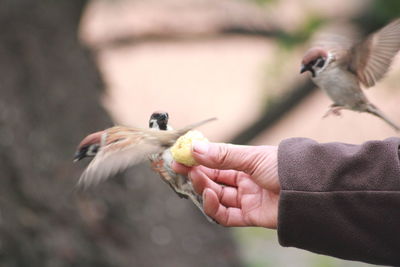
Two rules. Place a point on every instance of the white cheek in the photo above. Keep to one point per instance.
(318, 70)
(154, 124)
(92, 151)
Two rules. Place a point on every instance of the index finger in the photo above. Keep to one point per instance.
(226, 177)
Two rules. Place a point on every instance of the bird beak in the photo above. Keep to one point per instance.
(79, 155)
(304, 68)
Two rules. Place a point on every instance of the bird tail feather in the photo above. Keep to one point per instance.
(376, 112)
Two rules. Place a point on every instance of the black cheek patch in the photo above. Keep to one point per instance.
(320, 63)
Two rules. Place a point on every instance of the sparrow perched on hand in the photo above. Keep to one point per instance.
(339, 66)
(118, 148)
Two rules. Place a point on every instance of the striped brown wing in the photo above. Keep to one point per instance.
(125, 151)
(373, 57)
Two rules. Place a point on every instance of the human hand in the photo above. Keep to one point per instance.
(239, 184)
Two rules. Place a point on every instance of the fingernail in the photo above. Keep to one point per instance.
(200, 147)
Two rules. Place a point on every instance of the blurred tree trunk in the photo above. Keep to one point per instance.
(49, 100)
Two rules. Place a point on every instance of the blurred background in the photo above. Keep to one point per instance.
(70, 67)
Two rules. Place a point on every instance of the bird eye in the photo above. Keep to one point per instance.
(320, 62)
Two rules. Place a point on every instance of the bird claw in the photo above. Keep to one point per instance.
(335, 110)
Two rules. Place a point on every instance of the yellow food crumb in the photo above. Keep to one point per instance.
(182, 149)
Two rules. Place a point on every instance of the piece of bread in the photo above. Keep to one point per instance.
(182, 149)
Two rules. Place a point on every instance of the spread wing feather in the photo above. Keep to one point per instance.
(122, 147)
(373, 57)
(116, 157)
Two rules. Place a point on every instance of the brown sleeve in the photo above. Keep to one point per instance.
(341, 200)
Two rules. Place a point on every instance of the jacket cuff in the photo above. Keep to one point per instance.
(335, 198)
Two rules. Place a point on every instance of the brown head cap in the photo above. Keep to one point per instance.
(313, 54)
(94, 138)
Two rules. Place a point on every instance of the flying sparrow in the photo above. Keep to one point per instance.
(339, 66)
(119, 147)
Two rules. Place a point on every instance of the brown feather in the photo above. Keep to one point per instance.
(122, 147)
(372, 58)
(93, 138)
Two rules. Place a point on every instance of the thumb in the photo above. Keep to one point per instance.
(260, 162)
(225, 156)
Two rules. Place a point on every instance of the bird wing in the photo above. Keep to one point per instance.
(123, 147)
(372, 58)
(117, 156)
(337, 38)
